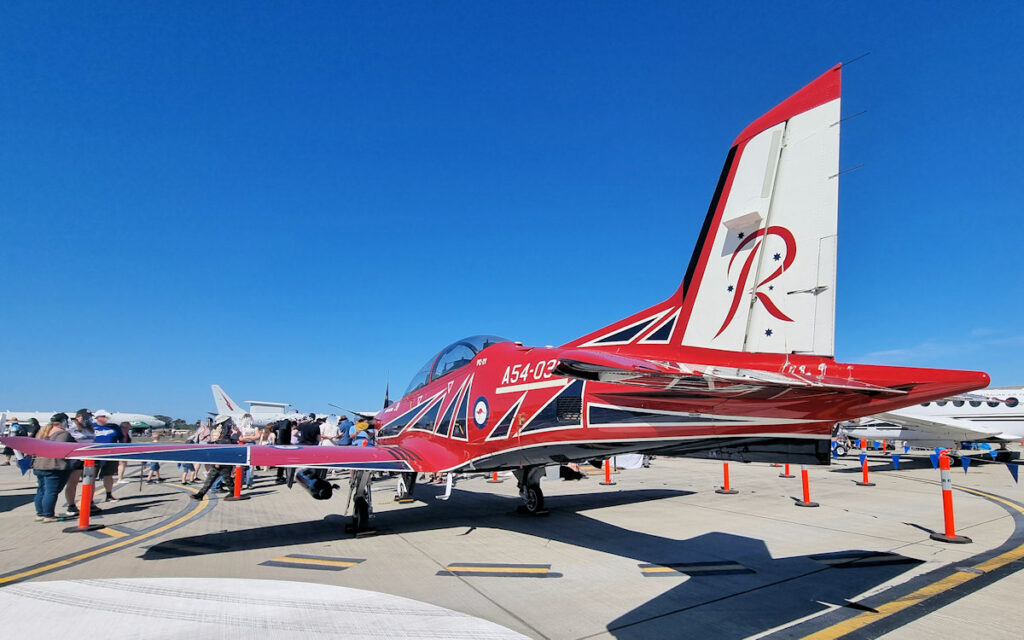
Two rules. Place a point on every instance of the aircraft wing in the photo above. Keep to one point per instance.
(946, 427)
(682, 377)
(382, 458)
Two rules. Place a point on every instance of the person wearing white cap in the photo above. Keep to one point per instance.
(81, 430)
(107, 434)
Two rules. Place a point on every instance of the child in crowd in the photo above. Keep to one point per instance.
(153, 475)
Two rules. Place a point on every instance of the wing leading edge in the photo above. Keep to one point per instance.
(382, 458)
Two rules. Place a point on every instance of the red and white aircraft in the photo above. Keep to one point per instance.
(736, 364)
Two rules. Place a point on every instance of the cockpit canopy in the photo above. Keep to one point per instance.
(455, 356)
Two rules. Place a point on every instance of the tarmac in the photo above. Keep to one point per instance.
(658, 554)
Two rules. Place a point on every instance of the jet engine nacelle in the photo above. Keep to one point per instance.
(314, 482)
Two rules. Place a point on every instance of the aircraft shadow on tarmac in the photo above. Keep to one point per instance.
(121, 507)
(11, 502)
(742, 590)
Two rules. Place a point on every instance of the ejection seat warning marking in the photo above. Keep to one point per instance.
(498, 570)
(675, 569)
(303, 561)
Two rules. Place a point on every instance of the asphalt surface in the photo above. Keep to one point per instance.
(659, 554)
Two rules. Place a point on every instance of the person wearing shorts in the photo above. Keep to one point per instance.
(106, 434)
(81, 430)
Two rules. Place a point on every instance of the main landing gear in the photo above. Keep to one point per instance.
(405, 487)
(361, 500)
(529, 490)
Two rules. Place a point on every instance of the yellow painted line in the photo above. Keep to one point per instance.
(899, 604)
(329, 563)
(113, 533)
(688, 567)
(124, 542)
(461, 569)
(660, 570)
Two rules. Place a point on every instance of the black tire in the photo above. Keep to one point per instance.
(841, 450)
(360, 514)
(534, 499)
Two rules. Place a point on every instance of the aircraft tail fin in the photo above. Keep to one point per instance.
(224, 402)
(762, 275)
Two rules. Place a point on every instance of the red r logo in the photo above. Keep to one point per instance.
(787, 261)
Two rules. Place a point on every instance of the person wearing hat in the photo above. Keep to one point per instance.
(221, 435)
(82, 431)
(51, 473)
(106, 434)
(10, 429)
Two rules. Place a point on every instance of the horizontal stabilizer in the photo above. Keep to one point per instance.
(685, 377)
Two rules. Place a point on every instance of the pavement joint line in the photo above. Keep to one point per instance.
(113, 545)
(297, 559)
(960, 575)
(498, 570)
(695, 569)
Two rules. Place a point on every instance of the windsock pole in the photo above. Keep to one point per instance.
(806, 502)
(88, 484)
(725, 481)
(239, 471)
(607, 473)
(947, 505)
(864, 472)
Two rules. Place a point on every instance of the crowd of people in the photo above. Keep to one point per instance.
(55, 476)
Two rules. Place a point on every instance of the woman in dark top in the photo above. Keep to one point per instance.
(126, 436)
(51, 473)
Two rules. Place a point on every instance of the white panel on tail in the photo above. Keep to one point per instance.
(769, 282)
(746, 209)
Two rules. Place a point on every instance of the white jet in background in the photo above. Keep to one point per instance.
(263, 413)
(116, 417)
(994, 415)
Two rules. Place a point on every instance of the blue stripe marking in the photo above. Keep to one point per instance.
(215, 455)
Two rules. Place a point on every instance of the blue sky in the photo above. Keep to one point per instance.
(299, 200)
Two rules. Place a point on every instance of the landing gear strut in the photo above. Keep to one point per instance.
(529, 489)
(361, 500)
(406, 485)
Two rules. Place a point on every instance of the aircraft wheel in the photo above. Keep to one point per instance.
(534, 498)
(841, 450)
(360, 514)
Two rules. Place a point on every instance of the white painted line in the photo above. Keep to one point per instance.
(545, 384)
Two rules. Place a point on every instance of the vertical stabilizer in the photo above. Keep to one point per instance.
(225, 405)
(763, 275)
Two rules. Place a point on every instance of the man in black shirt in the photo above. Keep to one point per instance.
(309, 433)
(283, 436)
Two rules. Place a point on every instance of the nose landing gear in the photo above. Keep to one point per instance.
(360, 499)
